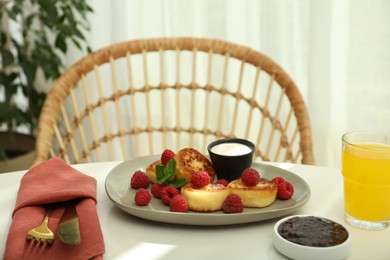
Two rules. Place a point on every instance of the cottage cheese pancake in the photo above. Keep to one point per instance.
(205, 199)
(259, 196)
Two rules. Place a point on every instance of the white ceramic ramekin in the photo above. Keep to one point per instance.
(301, 252)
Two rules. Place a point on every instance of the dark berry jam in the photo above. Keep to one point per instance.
(313, 231)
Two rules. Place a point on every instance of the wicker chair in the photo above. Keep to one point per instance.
(139, 97)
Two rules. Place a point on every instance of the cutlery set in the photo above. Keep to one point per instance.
(68, 228)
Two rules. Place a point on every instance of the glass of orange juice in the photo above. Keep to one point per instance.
(366, 172)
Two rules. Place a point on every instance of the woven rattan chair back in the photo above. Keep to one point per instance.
(140, 97)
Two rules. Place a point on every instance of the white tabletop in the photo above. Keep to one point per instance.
(128, 237)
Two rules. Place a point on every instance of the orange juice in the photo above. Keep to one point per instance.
(366, 171)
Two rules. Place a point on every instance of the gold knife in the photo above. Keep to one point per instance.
(68, 227)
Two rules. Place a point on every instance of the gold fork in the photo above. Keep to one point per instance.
(42, 233)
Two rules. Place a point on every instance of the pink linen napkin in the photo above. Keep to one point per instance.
(49, 184)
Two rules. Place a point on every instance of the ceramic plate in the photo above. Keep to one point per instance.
(119, 191)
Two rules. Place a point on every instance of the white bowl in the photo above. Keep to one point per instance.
(302, 252)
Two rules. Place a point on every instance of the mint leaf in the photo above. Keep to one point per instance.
(159, 172)
(165, 174)
(161, 176)
(179, 183)
(170, 169)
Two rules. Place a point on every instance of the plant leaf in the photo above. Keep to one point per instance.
(163, 179)
(165, 174)
(170, 169)
(29, 69)
(7, 57)
(179, 183)
(160, 173)
(60, 43)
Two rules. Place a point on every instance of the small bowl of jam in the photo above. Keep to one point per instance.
(310, 237)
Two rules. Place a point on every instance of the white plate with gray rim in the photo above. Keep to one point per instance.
(122, 195)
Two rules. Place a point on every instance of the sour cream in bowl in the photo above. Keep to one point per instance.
(231, 149)
(230, 157)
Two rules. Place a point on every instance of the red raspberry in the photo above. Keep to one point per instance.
(156, 189)
(200, 179)
(222, 182)
(142, 197)
(285, 190)
(139, 180)
(166, 156)
(278, 180)
(179, 204)
(167, 193)
(250, 177)
(232, 204)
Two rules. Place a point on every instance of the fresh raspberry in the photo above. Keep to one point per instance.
(278, 180)
(250, 177)
(166, 156)
(285, 190)
(139, 180)
(167, 193)
(232, 204)
(142, 197)
(222, 182)
(156, 189)
(179, 204)
(200, 179)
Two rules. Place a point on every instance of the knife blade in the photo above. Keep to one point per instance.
(68, 227)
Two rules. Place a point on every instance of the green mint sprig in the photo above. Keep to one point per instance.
(165, 174)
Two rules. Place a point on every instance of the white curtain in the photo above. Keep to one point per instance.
(337, 51)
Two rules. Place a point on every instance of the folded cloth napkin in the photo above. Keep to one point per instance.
(52, 184)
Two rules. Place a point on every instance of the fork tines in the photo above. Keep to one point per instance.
(42, 233)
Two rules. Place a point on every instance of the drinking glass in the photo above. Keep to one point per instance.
(366, 172)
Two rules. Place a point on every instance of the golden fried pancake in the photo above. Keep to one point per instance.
(205, 199)
(151, 171)
(189, 160)
(259, 196)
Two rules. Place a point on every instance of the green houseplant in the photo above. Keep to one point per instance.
(35, 36)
